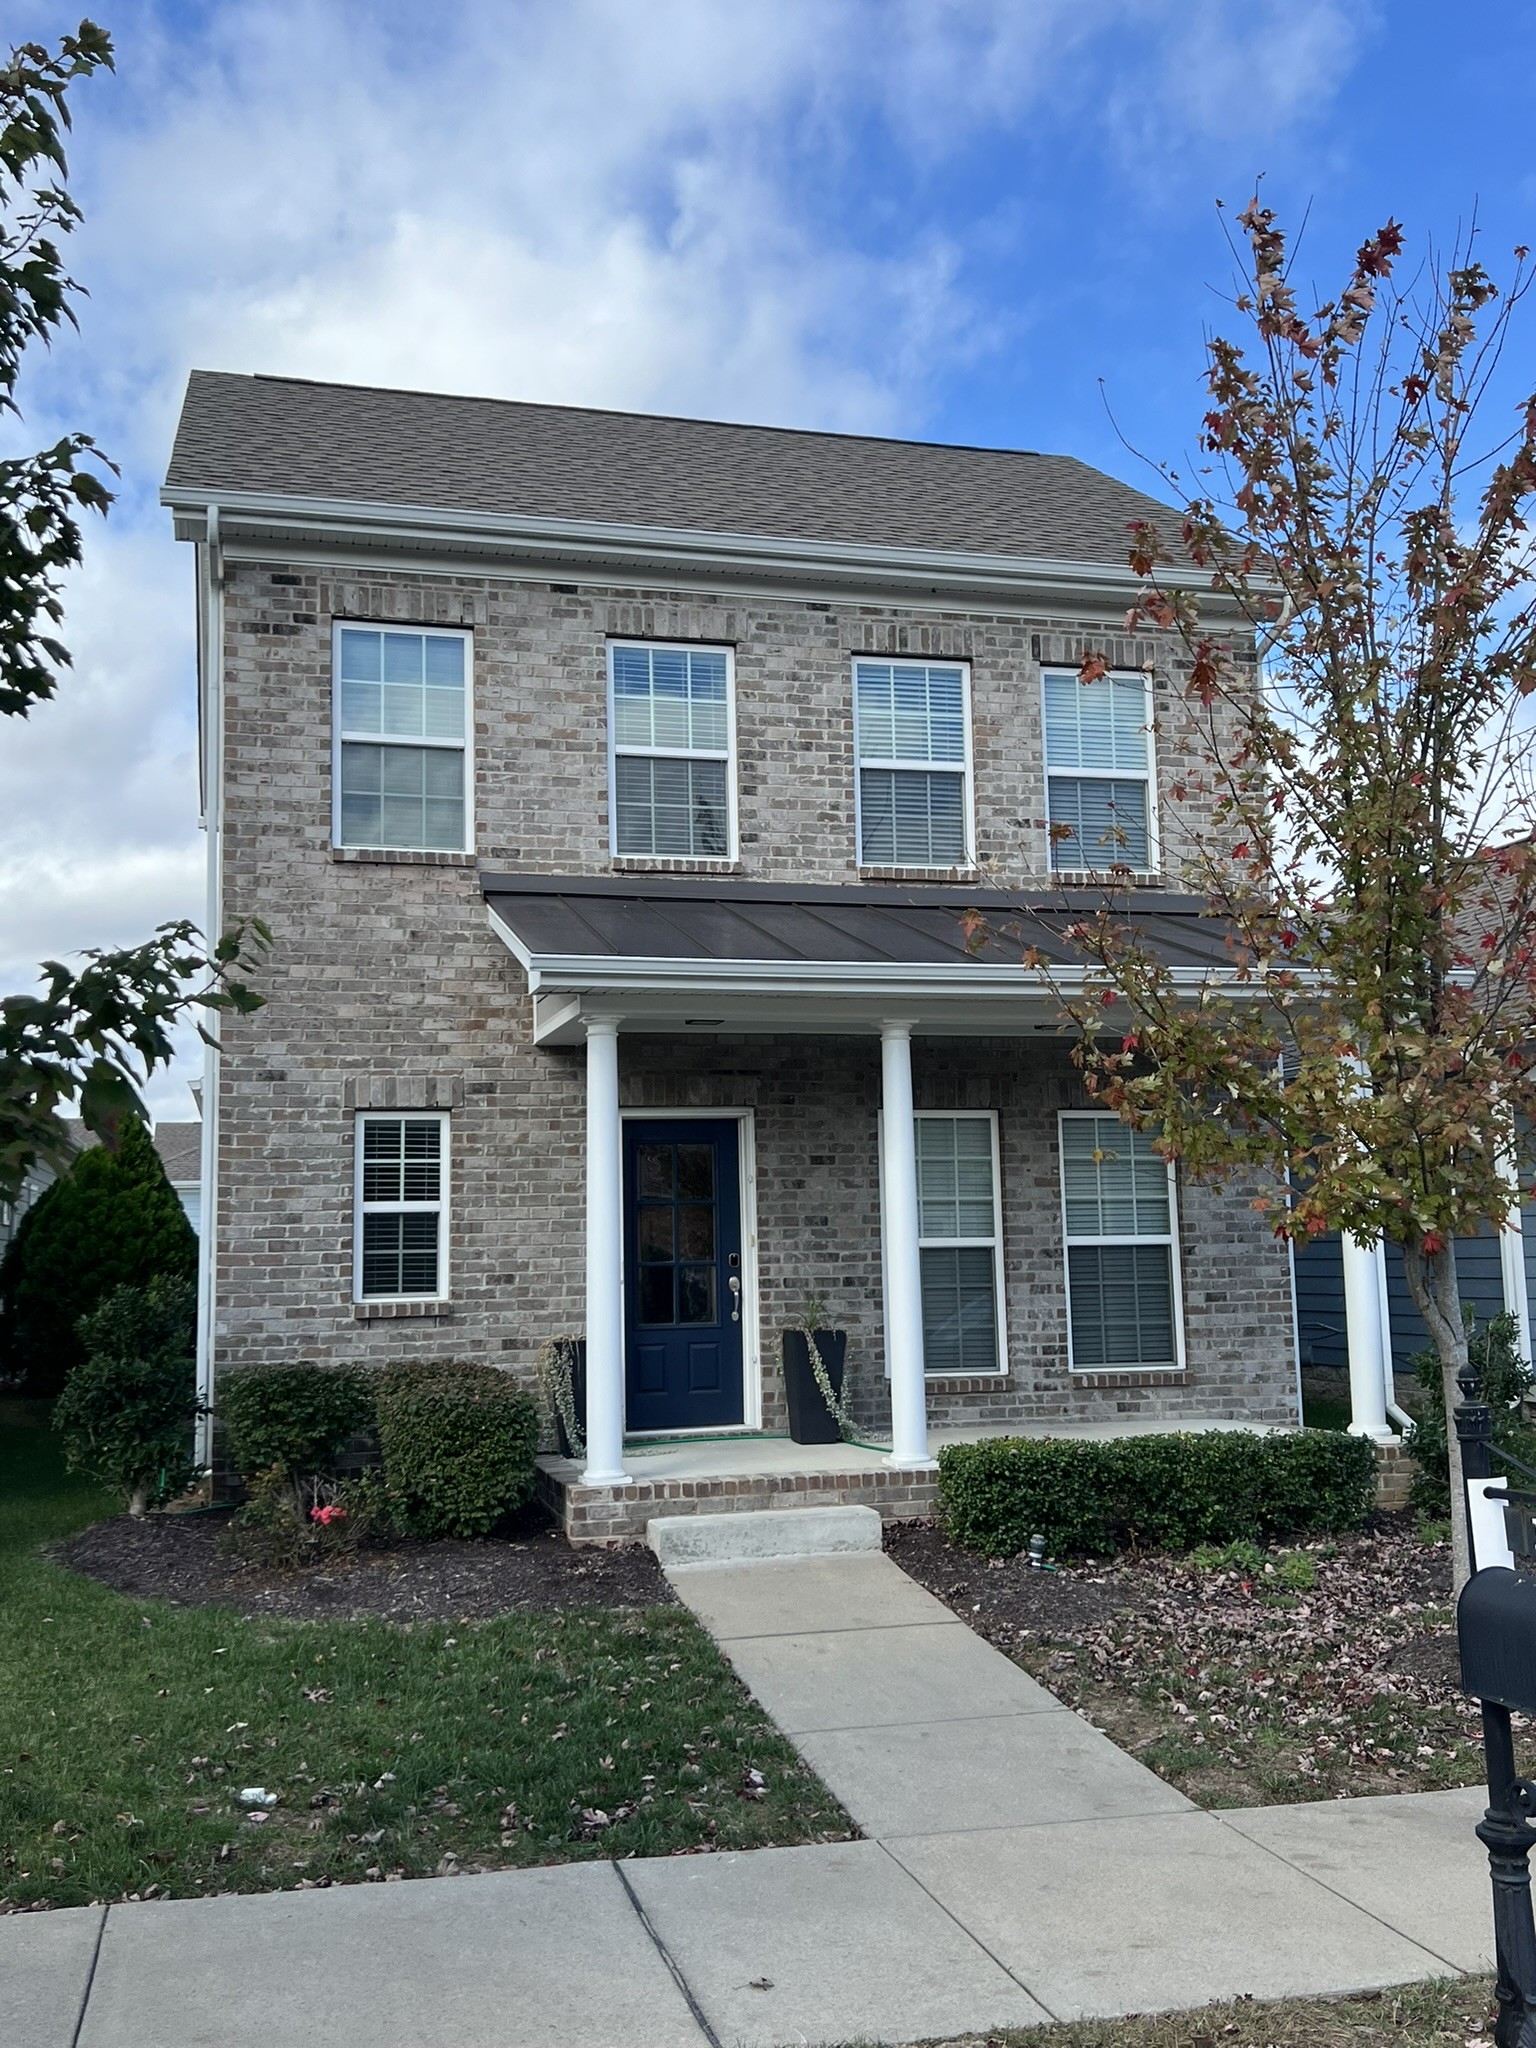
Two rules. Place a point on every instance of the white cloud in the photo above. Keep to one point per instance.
(587, 201)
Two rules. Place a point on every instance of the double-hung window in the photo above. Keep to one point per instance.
(401, 728)
(959, 1243)
(401, 1247)
(672, 725)
(1122, 1272)
(912, 730)
(1098, 763)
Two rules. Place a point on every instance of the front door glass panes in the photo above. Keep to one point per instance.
(676, 1226)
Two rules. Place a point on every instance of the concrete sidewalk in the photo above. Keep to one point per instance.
(1019, 1867)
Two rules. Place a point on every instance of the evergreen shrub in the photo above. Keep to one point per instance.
(127, 1409)
(113, 1220)
(294, 1417)
(459, 1443)
(1504, 1381)
(1153, 1492)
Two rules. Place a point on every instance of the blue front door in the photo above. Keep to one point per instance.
(682, 1275)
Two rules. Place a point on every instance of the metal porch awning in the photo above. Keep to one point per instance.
(708, 953)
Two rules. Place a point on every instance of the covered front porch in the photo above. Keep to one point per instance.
(782, 1088)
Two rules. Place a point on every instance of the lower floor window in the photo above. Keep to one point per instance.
(402, 1164)
(1122, 1284)
(959, 1243)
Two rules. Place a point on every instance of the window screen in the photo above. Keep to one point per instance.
(671, 725)
(1119, 1225)
(911, 730)
(401, 757)
(1098, 771)
(959, 1243)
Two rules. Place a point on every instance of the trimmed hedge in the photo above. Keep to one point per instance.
(1153, 1492)
(296, 1417)
(459, 1443)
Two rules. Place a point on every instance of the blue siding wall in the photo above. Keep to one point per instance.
(1320, 1293)
(1320, 1301)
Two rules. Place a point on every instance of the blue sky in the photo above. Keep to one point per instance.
(951, 219)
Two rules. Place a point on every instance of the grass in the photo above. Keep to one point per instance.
(1445, 2014)
(128, 1729)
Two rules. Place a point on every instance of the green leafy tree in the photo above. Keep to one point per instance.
(113, 1220)
(90, 1036)
(127, 1410)
(1368, 1053)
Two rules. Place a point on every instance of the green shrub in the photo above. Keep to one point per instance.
(283, 1526)
(296, 1417)
(1153, 1492)
(127, 1409)
(1503, 1379)
(113, 1220)
(458, 1443)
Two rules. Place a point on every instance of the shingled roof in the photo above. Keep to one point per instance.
(295, 439)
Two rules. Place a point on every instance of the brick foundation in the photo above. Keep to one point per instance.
(609, 1515)
(1394, 1477)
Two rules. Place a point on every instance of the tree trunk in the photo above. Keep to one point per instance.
(1436, 1296)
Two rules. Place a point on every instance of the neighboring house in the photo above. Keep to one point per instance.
(614, 787)
(179, 1146)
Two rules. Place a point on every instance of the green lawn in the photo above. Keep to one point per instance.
(128, 1729)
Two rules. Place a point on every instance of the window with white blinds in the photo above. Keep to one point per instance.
(401, 723)
(1098, 760)
(400, 1252)
(960, 1243)
(1122, 1276)
(912, 731)
(671, 726)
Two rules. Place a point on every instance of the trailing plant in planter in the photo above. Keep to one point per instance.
(814, 1365)
(561, 1365)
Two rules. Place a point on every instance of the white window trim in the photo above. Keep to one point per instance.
(993, 1244)
(1170, 1239)
(440, 1207)
(963, 769)
(728, 755)
(464, 747)
(1147, 776)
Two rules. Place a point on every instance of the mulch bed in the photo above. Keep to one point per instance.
(181, 1558)
(1232, 1684)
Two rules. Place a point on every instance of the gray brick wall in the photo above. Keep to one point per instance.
(386, 984)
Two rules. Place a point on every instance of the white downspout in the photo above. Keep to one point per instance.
(212, 679)
(1400, 1416)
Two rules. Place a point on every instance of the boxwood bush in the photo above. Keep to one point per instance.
(296, 1417)
(1153, 1492)
(458, 1443)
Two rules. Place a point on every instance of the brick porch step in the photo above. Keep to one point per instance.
(764, 1537)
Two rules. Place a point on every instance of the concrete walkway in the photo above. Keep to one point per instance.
(1018, 1867)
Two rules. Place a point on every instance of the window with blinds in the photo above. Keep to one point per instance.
(672, 735)
(1098, 761)
(1122, 1279)
(401, 724)
(400, 1252)
(912, 731)
(960, 1243)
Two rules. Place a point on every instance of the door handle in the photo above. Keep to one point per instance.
(735, 1286)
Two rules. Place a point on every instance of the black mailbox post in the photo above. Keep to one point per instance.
(1496, 1628)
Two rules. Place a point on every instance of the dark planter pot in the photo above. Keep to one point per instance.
(578, 1400)
(811, 1421)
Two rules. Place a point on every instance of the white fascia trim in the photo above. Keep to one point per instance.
(666, 547)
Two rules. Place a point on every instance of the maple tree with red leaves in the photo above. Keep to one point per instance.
(1362, 815)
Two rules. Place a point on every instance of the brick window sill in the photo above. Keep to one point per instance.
(971, 1383)
(938, 875)
(635, 864)
(384, 856)
(1108, 1380)
(395, 1311)
(1089, 878)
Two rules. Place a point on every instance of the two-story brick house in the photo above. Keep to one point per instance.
(615, 787)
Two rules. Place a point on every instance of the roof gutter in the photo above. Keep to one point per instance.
(600, 546)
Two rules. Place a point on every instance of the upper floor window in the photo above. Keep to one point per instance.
(672, 727)
(1098, 761)
(401, 723)
(912, 731)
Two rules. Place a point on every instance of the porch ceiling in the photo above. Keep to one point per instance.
(708, 954)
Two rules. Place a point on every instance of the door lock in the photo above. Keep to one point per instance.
(735, 1287)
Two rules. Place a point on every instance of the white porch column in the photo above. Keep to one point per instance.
(1365, 1329)
(1512, 1258)
(903, 1277)
(605, 1259)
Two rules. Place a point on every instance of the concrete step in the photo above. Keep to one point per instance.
(765, 1537)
